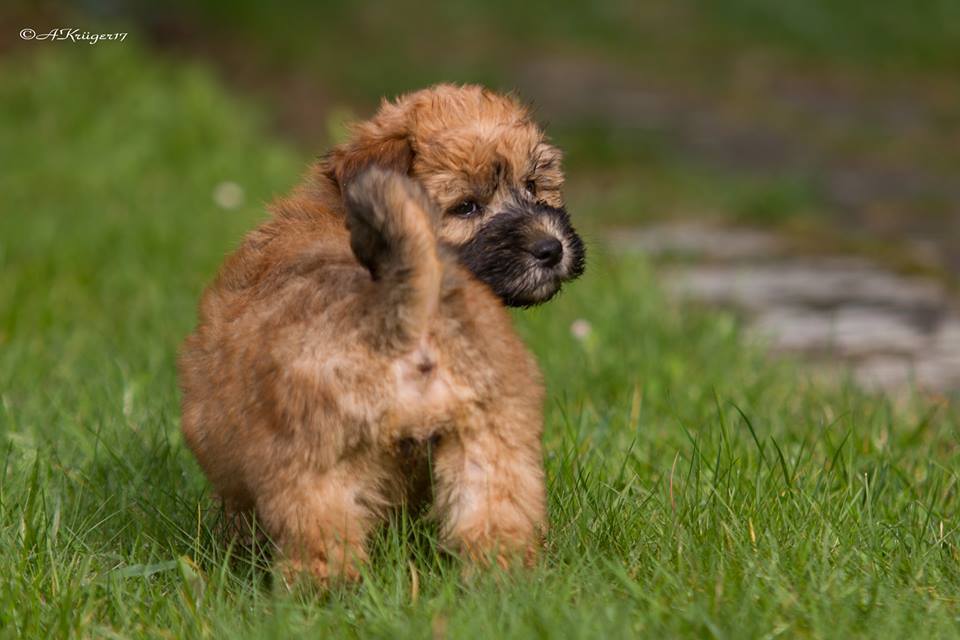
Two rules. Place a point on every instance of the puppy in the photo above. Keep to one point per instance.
(333, 364)
(487, 165)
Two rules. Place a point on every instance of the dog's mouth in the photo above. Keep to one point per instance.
(526, 256)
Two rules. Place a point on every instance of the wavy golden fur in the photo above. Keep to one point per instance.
(325, 382)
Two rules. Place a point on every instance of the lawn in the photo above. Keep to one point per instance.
(696, 487)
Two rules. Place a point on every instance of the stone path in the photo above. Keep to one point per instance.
(891, 330)
(882, 160)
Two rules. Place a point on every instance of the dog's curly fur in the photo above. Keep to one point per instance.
(480, 157)
(359, 334)
(319, 379)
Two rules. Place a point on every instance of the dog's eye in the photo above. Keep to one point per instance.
(531, 187)
(466, 209)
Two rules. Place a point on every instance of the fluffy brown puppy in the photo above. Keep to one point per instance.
(331, 368)
(486, 163)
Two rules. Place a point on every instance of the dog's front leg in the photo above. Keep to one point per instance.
(490, 496)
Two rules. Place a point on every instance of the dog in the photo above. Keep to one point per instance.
(334, 363)
(490, 169)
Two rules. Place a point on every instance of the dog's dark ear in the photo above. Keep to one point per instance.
(381, 142)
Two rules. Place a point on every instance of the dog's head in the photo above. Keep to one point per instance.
(492, 172)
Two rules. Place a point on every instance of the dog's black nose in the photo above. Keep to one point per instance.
(548, 251)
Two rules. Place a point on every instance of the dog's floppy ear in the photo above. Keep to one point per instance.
(381, 142)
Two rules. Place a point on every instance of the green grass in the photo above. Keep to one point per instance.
(696, 488)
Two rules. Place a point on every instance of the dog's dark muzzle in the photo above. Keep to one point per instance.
(525, 253)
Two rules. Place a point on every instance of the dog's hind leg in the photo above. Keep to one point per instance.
(321, 521)
(490, 496)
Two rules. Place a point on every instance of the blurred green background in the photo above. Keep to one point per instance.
(837, 119)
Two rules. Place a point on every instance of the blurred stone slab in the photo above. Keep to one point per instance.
(889, 330)
(824, 282)
(851, 331)
(692, 239)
